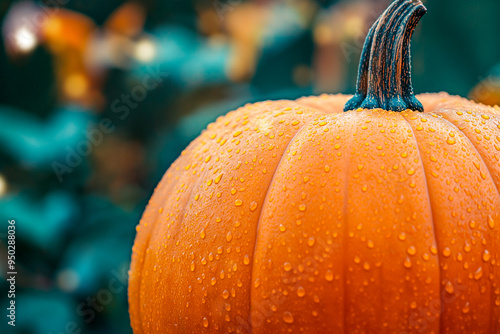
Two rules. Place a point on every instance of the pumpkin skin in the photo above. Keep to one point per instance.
(294, 216)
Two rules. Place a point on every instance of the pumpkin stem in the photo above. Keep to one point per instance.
(384, 74)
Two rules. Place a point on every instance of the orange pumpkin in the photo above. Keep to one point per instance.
(294, 216)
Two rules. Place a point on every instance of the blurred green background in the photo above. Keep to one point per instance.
(98, 98)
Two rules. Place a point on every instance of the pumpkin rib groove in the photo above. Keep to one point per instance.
(432, 217)
(453, 125)
(345, 229)
(262, 209)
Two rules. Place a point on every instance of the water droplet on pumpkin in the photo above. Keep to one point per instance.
(486, 255)
(472, 224)
(229, 236)
(202, 234)
(217, 180)
(301, 291)
(288, 317)
(329, 275)
(467, 247)
(446, 252)
(402, 236)
(282, 228)
(238, 202)
(213, 281)
(478, 273)
(411, 250)
(225, 294)
(311, 241)
(327, 168)
(491, 222)
(205, 322)
(253, 206)
(192, 266)
(302, 207)
(246, 259)
(466, 308)
(449, 287)
(407, 263)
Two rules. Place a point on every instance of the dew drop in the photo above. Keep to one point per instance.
(329, 275)
(229, 236)
(449, 287)
(205, 322)
(466, 308)
(407, 263)
(302, 207)
(472, 224)
(301, 291)
(311, 241)
(288, 317)
(238, 202)
(253, 206)
(467, 247)
(478, 273)
(486, 255)
(246, 260)
(491, 222)
(446, 252)
(411, 250)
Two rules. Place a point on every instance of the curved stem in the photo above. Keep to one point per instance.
(384, 75)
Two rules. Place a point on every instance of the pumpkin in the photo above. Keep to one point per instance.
(295, 216)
